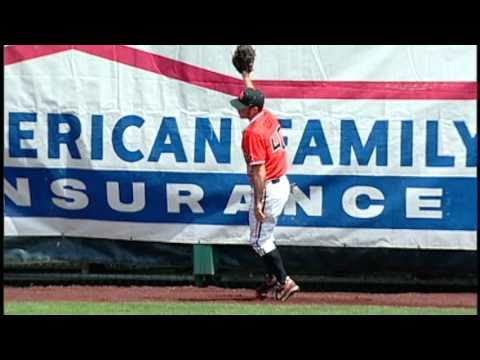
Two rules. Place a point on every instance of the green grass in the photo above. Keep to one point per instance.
(103, 308)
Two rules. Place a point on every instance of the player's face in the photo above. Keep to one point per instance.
(248, 112)
(244, 113)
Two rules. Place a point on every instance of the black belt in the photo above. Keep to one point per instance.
(275, 181)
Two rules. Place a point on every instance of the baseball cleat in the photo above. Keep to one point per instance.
(283, 292)
(266, 287)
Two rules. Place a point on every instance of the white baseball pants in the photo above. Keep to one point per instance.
(275, 198)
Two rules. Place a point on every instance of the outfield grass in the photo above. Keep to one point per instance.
(102, 308)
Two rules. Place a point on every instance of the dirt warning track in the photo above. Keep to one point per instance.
(221, 295)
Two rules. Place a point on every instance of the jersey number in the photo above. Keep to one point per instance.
(277, 140)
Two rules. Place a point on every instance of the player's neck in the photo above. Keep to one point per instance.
(256, 116)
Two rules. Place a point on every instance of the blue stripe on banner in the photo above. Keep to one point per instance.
(458, 203)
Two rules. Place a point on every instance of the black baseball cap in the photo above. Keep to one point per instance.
(248, 97)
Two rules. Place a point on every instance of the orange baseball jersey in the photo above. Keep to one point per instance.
(263, 143)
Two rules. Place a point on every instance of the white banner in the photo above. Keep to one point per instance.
(139, 142)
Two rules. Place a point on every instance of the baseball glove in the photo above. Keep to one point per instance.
(243, 58)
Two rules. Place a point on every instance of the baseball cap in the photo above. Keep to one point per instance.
(248, 97)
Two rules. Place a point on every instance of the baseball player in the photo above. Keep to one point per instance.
(267, 162)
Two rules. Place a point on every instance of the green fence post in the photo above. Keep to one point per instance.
(203, 264)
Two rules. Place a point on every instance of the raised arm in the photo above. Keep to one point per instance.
(247, 79)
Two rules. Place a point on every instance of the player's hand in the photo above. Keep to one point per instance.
(246, 74)
(259, 214)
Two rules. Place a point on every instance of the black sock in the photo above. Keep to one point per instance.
(273, 261)
(269, 267)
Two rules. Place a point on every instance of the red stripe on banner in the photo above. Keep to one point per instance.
(374, 90)
(174, 69)
(275, 89)
(18, 53)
